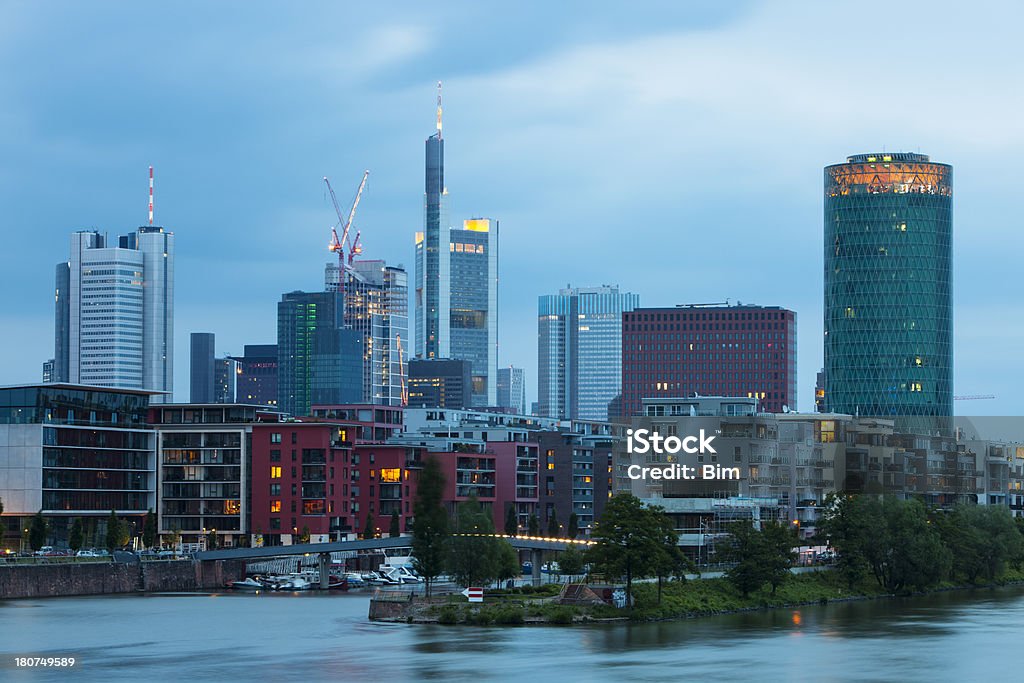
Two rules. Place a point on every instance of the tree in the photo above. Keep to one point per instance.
(779, 541)
(476, 557)
(533, 526)
(893, 538)
(571, 561)
(554, 529)
(848, 523)
(113, 532)
(305, 535)
(38, 531)
(670, 559)
(149, 530)
(430, 525)
(368, 530)
(982, 540)
(511, 521)
(745, 549)
(574, 525)
(212, 541)
(76, 535)
(627, 540)
(395, 529)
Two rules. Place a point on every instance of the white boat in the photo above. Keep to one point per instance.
(249, 583)
(399, 574)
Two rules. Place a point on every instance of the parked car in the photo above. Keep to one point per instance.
(45, 550)
(86, 553)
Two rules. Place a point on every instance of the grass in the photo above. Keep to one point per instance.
(700, 597)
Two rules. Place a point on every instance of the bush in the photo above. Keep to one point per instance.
(509, 615)
(561, 615)
(449, 614)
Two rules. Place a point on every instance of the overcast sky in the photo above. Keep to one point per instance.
(675, 149)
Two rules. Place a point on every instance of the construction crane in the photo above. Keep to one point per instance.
(339, 245)
(401, 369)
(973, 397)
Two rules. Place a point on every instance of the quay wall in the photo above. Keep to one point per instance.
(102, 578)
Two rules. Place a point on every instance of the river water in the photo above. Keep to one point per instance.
(957, 636)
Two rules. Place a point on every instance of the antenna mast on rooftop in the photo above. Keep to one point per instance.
(151, 195)
(439, 110)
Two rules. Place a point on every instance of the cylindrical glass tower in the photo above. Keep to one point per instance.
(888, 286)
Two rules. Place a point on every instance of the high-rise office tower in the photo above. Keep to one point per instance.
(512, 389)
(440, 383)
(115, 312)
(319, 361)
(456, 291)
(377, 306)
(257, 375)
(201, 367)
(579, 354)
(226, 373)
(473, 316)
(432, 284)
(709, 350)
(888, 289)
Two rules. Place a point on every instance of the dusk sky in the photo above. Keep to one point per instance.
(674, 149)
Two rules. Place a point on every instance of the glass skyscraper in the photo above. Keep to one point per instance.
(888, 286)
(319, 361)
(115, 312)
(377, 306)
(456, 290)
(473, 313)
(579, 354)
(432, 287)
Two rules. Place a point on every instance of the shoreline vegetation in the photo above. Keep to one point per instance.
(696, 598)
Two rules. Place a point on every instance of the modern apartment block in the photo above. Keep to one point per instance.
(512, 389)
(74, 451)
(114, 323)
(579, 353)
(377, 306)
(709, 350)
(888, 286)
(575, 477)
(319, 360)
(204, 453)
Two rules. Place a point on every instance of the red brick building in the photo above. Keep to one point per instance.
(711, 350)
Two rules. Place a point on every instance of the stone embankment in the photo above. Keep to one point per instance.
(102, 578)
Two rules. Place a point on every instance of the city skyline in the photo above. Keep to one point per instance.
(699, 184)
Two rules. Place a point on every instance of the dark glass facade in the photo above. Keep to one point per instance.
(888, 286)
(318, 361)
(73, 405)
(201, 367)
(428, 285)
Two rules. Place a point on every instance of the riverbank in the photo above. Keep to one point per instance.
(104, 578)
(678, 600)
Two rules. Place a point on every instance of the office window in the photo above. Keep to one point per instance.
(275, 472)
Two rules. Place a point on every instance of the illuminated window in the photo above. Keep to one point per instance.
(551, 465)
(275, 472)
(275, 506)
(390, 475)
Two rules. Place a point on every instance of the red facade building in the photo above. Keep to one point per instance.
(709, 350)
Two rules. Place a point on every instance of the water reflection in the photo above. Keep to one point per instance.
(952, 636)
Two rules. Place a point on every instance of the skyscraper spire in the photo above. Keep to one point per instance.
(439, 110)
(151, 195)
